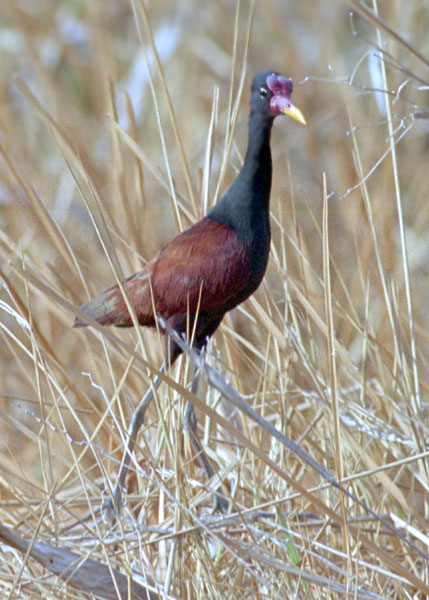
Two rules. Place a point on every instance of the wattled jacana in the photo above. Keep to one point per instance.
(211, 267)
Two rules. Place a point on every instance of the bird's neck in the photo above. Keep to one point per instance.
(255, 175)
(245, 206)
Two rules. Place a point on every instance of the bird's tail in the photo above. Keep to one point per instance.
(107, 309)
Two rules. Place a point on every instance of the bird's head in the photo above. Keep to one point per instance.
(271, 92)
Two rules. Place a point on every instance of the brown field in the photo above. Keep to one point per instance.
(100, 165)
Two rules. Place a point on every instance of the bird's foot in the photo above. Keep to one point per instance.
(112, 506)
(220, 502)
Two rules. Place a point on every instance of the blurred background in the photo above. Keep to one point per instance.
(103, 159)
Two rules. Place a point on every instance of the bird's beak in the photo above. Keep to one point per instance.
(292, 111)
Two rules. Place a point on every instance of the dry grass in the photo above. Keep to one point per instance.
(332, 349)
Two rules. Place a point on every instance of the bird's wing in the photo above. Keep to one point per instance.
(204, 268)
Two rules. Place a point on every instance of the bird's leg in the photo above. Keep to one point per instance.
(190, 425)
(113, 504)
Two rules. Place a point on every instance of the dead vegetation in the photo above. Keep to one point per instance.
(99, 166)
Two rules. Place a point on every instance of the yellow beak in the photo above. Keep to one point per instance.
(295, 113)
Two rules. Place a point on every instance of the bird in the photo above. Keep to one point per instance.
(211, 267)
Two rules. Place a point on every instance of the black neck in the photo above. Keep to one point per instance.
(248, 197)
(254, 180)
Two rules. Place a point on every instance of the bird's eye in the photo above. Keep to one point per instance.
(263, 92)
